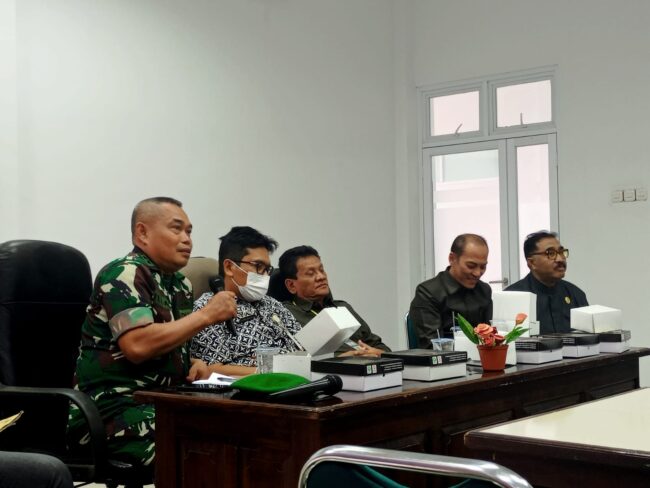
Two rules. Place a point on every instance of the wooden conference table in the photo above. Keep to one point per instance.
(205, 439)
(600, 443)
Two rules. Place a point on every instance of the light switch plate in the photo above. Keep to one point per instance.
(641, 194)
(629, 195)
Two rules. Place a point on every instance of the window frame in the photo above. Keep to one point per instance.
(487, 133)
(486, 86)
(427, 202)
(528, 77)
(455, 89)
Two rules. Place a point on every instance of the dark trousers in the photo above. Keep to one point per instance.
(30, 470)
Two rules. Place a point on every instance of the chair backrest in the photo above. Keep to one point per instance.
(45, 289)
(411, 336)
(200, 270)
(408, 461)
(44, 292)
(277, 288)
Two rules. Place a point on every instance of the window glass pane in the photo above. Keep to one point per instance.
(463, 166)
(466, 199)
(456, 113)
(525, 103)
(532, 195)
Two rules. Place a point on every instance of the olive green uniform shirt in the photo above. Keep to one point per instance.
(305, 310)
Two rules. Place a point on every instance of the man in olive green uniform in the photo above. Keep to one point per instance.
(302, 275)
(137, 326)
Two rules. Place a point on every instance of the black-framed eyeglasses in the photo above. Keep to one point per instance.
(552, 254)
(260, 268)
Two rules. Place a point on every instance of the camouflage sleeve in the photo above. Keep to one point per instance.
(126, 298)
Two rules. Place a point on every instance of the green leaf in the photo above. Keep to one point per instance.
(467, 328)
(514, 334)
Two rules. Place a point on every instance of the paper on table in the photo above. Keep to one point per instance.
(215, 379)
(9, 421)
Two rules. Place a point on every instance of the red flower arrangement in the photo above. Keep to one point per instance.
(486, 335)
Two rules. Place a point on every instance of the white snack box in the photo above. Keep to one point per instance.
(365, 383)
(325, 333)
(297, 362)
(596, 318)
(507, 304)
(433, 373)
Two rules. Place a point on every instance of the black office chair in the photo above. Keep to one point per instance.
(350, 466)
(411, 336)
(44, 291)
(277, 288)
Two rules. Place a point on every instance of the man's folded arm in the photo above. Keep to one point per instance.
(140, 342)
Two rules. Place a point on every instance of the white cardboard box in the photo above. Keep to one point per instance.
(596, 318)
(298, 362)
(539, 357)
(365, 383)
(580, 351)
(614, 347)
(507, 304)
(325, 333)
(433, 373)
(462, 343)
(615, 341)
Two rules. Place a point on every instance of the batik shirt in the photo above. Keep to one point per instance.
(263, 323)
(129, 292)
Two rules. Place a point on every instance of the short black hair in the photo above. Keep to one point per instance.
(530, 244)
(458, 246)
(142, 205)
(236, 243)
(289, 260)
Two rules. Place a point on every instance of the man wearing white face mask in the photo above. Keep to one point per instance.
(245, 265)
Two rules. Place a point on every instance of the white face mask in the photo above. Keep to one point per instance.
(255, 288)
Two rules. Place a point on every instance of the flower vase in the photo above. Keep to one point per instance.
(493, 358)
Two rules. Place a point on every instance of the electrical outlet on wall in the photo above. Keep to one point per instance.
(641, 194)
(617, 196)
(629, 195)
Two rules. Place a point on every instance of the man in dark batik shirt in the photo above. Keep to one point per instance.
(458, 289)
(245, 265)
(546, 259)
(136, 329)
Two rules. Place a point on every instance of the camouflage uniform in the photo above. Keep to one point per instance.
(129, 292)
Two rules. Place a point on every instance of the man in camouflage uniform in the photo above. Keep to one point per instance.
(137, 326)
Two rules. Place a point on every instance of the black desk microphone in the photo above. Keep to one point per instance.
(216, 285)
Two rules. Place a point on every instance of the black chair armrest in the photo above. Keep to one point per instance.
(88, 408)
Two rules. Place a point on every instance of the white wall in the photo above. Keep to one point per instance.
(8, 121)
(275, 114)
(300, 118)
(601, 49)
